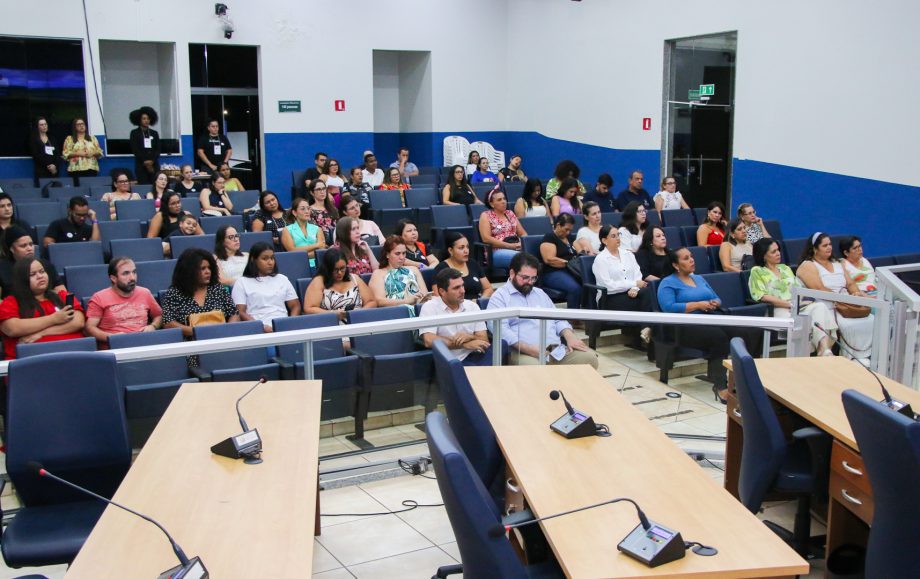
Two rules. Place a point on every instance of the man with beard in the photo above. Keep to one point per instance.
(523, 336)
(124, 308)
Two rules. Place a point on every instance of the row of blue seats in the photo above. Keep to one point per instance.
(64, 179)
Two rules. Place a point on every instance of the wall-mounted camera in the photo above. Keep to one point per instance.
(221, 11)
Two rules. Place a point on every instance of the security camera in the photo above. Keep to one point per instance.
(228, 29)
(221, 11)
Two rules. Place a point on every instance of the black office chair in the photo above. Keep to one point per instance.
(769, 463)
(890, 447)
(66, 411)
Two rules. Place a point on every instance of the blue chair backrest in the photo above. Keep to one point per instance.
(764, 446)
(144, 249)
(297, 178)
(179, 243)
(701, 214)
(476, 211)
(121, 229)
(302, 284)
(322, 350)
(155, 275)
(883, 261)
(890, 447)
(772, 225)
(652, 218)
(421, 197)
(792, 249)
(21, 182)
(75, 253)
(233, 358)
(192, 205)
(243, 200)
(384, 199)
(39, 348)
(610, 218)
(727, 285)
(41, 213)
(449, 216)
(150, 371)
(702, 259)
(25, 194)
(293, 264)
(98, 180)
(587, 268)
(211, 224)
(382, 344)
(907, 258)
(713, 251)
(678, 217)
(672, 234)
(470, 509)
(531, 244)
(688, 234)
(140, 209)
(536, 225)
(250, 238)
(85, 280)
(66, 193)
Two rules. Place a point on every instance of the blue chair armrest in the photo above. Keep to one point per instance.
(202, 375)
(752, 310)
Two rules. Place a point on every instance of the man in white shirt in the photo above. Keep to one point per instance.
(469, 342)
(373, 175)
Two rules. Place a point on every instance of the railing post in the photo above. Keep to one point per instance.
(542, 352)
(497, 343)
(307, 360)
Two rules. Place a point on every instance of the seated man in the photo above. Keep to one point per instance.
(313, 173)
(123, 308)
(74, 227)
(468, 342)
(407, 168)
(373, 175)
(523, 336)
(634, 192)
(602, 195)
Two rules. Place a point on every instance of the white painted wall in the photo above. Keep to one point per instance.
(386, 91)
(415, 106)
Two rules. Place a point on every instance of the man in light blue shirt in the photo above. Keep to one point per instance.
(407, 168)
(523, 336)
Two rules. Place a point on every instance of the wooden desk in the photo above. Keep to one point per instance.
(242, 520)
(812, 388)
(638, 462)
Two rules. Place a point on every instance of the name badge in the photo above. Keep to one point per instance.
(148, 142)
(49, 150)
(217, 149)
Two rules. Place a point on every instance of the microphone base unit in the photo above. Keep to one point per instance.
(900, 407)
(653, 547)
(576, 425)
(247, 445)
(194, 569)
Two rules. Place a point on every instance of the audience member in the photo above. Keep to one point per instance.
(513, 172)
(322, 210)
(121, 191)
(370, 232)
(669, 197)
(755, 228)
(300, 234)
(531, 203)
(358, 255)
(566, 199)
(652, 256)
(332, 177)
(187, 226)
(684, 292)
(313, 173)
(468, 342)
(602, 195)
(262, 293)
(771, 283)
(393, 182)
(851, 248)
(145, 144)
(734, 249)
(712, 231)
(634, 192)
(633, 225)
(166, 220)
(472, 163)
(36, 313)
(230, 183)
(44, 151)
(215, 200)
(336, 289)
(123, 308)
(396, 283)
(457, 256)
(587, 240)
(18, 245)
(617, 271)
(372, 175)
(82, 151)
(74, 227)
(564, 170)
(196, 296)
(158, 189)
(416, 252)
(500, 229)
(820, 270)
(186, 185)
(407, 168)
(482, 174)
(359, 191)
(458, 191)
(8, 216)
(523, 335)
(213, 148)
(270, 216)
(231, 261)
(556, 252)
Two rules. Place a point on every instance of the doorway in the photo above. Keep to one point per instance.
(402, 104)
(225, 86)
(698, 110)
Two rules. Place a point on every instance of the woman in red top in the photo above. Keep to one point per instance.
(500, 229)
(35, 313)
(712, 231)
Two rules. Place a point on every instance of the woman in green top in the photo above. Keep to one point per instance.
(301, 235)
(771, 283)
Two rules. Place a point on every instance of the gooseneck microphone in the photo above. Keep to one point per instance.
(575, 424)
(246, 445)
(262, 380)
(186, 565)
(556, 394)
(499, 530)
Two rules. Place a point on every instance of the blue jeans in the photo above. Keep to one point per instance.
(562, 280)
(501, 258)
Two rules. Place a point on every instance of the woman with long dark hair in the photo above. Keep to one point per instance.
(82, 151)
(653, 254)
(166, 220)
(300, 234)
(633, 225)
(458, 191)
(736, 247)
(8, 216)
(457, 255)
(712, 231)
(44, 149)
(555, 252)
(262, 293)
(566, 198)
(231, 261)
(336, 289)
(214, 199)
(270, 217)
(395, 282)
(531, 203)
(356, 251)
(322, 210)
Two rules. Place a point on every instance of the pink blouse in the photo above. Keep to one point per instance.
(502, 229)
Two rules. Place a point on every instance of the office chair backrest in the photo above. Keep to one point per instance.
(764, 444)
(382, 344)
(322, 349)
(470, 509)
(150, 371)
(39, 348)
(890, 446)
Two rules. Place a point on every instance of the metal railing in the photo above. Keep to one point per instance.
(903, 358)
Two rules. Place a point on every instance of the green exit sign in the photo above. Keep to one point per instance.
(288, 106)
(693, 95)
(707, 90)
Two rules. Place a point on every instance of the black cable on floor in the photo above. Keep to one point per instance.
(409, 503)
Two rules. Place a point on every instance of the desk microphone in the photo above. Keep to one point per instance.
(188, 568)
(574, 424)
(248, 444)
(896, 405)
(556, 394)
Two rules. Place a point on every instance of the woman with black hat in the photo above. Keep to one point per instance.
(145, 144)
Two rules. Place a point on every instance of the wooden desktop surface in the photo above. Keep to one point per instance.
(638, 461)
(812, 388)
(242, 520)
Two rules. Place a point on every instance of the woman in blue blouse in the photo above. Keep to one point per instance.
(482, 174)
(684, 292)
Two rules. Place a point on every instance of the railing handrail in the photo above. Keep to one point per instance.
(900, 290)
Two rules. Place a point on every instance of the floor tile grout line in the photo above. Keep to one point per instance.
(399, 555)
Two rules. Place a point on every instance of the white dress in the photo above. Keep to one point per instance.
(671, 200)
(592, 237)
(854, 333)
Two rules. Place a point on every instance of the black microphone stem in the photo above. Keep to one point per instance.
(245, 426)
(642, 518)
(885, 392)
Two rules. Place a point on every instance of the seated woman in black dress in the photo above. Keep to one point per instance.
(475, 284)
(458, 191)
(196, 290)
(166, 220)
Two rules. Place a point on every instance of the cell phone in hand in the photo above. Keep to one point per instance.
(68, 300)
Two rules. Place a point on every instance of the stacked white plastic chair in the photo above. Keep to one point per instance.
(456, 151)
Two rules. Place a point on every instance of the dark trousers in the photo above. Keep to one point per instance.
(622, 302)
(714, 340)
(485, 358)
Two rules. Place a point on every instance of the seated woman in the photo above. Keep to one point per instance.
(633, 225)
(472, 162)
(121, 190)
(482, 174)
(301, 235)
(392, 181)
(416, 252)
(617, 271)
(712, 231)
(397, 283)
(555, 252)
(652, 256)
(755, 227)
(500, 229)
(684, 292)
(230, 183)
(531, 203)
(771, 283)
(323, 213)
(669, 197)
(588, 240)
(564, 170)
(820, 270)
(8, 217)
(186, 185)
(566, 199)
(196, 296)
(370, 231)
(188, 225)
(214, 199)
(230, 260)
(166, 220)
(859, 268)
(158, 189)
(457, 191)
(457, 255)
(18, 245)
(270, 217)
(262, 293)
(332, 177)
(335, 289)
(35, 312)
(733, 249)
(358, 255)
